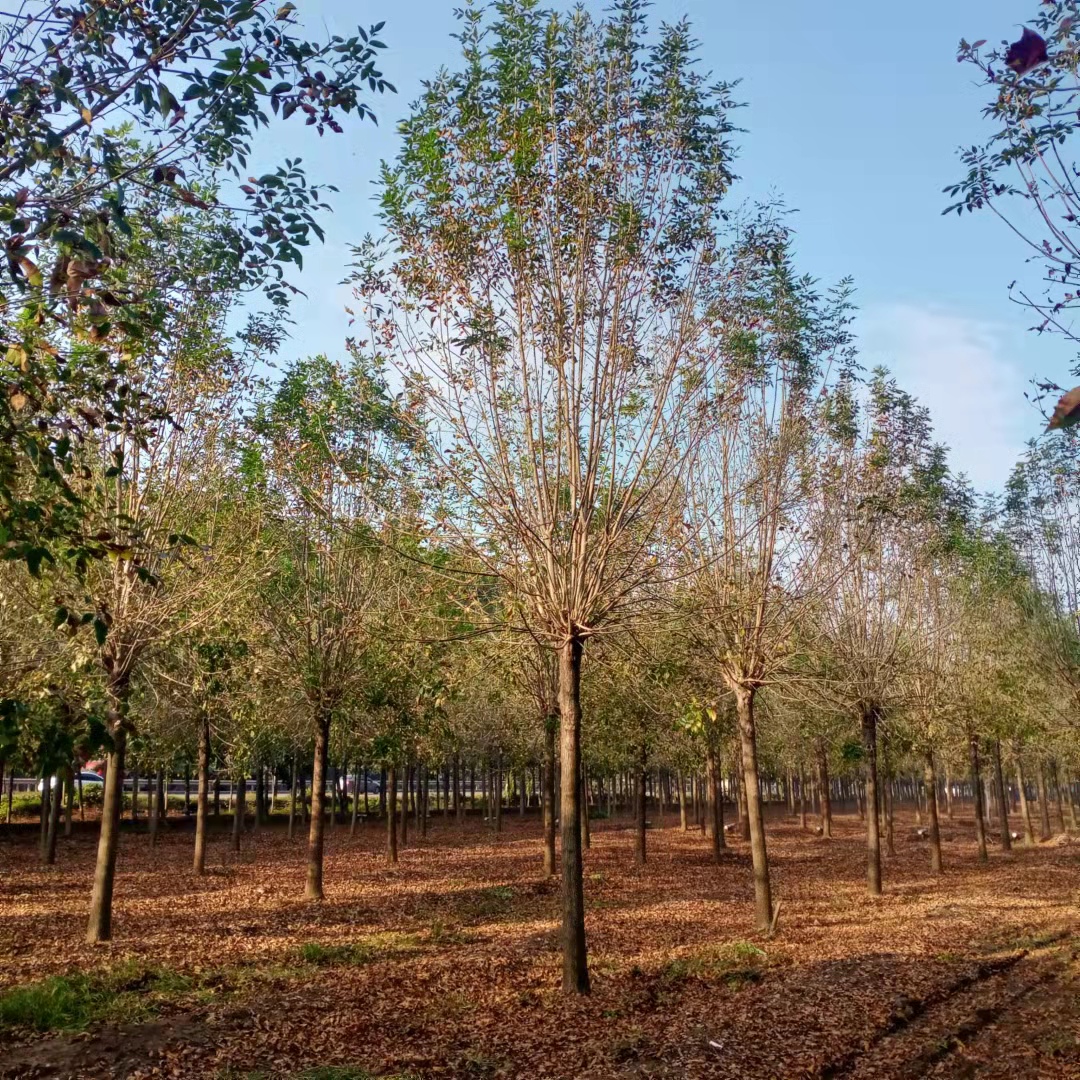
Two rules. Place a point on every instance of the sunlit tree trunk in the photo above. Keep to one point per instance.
(1002, 799)
(976, 786)
(293, 783)
(100, 923)
(639, 807)
(823, 783)
(202, 804)
(314, 887)
(1044, 801)
(551, 725)
(930, 790)
(575, 963)
(873, 834)
(763, 911)
(681, 780)
(713, 798)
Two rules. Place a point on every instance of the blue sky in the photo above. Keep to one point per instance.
(854, 111)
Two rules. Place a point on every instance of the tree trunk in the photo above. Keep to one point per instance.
(586, 835)
(681, 781)
(99, 927)
(154, 806)
(135, 791)
(217, 796)
(551, 725)
(890, 832)
(203, 798)
(391, 814)
(239, 809)
(1025, 809)
(713, 797)
(948, 794)
(575, 962)
(639, 807)
(930, 788)
(314, 887)
(403, 818)
(873, 833)
(1044, 802)
(763, 909)
(1002, 799)
(976, 785)
(355, 800)
(293, 778)
(823, 782)
(802, 799)
(1058, 796)
(498, 791)
(69, 795)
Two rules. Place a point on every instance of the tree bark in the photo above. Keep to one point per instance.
(1059, 798)
(802, 799)
(391, 814)
(403, 818)
(575, 961)
(1002, 799)
(713, 797)
(202, 804)
(976, 785)
(763, 909)
(292, 796)
(314, 888)
(873, 833)
(99, 927)
(681, 781)
(551, 725)
(158, 782)
(823, 783)
(1044, 801)
(930, 790)
(239, 809)
(1025, 809)
(639, 807)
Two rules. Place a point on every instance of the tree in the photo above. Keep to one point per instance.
(551, 298)
(192, 83)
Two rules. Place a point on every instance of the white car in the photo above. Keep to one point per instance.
(85, 776)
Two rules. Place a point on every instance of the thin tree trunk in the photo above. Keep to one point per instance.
(498, 791)
(551, 725)
(713, 797)
(1025, 809)
(355, 801)
(217, 796)
(802, 799)
(1002, 799)
(930, 788)
(314, 887)
(202, 804)
(948, 794)
(293, 780)
(575, 961)
(69, 796)
(763, 909)
(99, 927)
(586, 834)
(1059, 798)
(976, 785)
(391, 814)
(135, 791)
(639, 807)
(239, 809)
(873, 833)
(1044, 801)
(681, 781)
(157, 786)
(823, 782)
(403, 821)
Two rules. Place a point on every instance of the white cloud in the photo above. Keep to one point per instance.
(957, 367)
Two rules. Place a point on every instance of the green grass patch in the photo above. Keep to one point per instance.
(364, 951)
(73, 1002)
(736, 965)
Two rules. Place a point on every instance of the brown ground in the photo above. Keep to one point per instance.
(972, 975)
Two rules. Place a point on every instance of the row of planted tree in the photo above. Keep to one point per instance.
(598, 480)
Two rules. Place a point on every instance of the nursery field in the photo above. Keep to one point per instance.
(448, 964)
